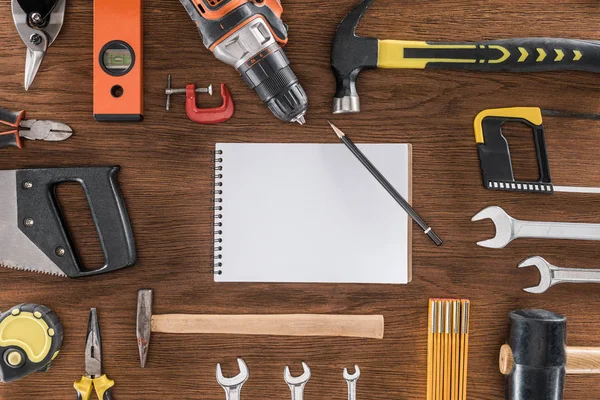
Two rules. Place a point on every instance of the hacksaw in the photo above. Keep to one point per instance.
(494, 151)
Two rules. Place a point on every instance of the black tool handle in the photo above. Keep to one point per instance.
(10, 139)
(36, 201)
(511, 55)
(10, 117)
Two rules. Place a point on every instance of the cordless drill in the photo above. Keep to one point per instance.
(248, 35)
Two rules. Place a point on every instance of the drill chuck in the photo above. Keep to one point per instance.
(277, 85)
(249, 38)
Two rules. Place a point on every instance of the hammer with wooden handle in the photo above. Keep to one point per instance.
(363, 326)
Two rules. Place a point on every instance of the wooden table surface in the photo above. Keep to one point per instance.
(166, 181)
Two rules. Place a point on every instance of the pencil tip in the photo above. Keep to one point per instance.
(339, 133)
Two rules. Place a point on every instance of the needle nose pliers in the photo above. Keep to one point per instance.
(31, 129)
(93, 377)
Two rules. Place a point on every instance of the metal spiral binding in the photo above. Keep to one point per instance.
(217, 265)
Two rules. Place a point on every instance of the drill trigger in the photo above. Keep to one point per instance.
(208, 116)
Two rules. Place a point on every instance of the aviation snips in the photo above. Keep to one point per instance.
(38, 23)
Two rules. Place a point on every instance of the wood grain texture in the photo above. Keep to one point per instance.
(166, 180)
(362, 326)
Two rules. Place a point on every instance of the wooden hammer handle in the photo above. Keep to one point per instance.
(580, 360)
(364, 326)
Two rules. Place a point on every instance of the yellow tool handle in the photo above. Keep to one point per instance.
(512, 55)
(84, 388)
(365, 326)
(530, 114)
(103, 387)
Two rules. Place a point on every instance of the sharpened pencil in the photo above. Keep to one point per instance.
(387, 185)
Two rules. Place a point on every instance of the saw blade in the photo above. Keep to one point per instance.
(13, 265)
(17, 250)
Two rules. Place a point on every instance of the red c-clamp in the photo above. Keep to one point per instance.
(208, 116)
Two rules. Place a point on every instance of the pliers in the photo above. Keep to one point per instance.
(93, 377)
(33, 129)
(38, 23)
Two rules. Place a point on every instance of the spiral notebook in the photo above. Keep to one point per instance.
(310, 213)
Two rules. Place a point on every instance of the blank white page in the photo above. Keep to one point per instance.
(311, 213)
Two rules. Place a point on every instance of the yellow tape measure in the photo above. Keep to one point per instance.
(30, 338)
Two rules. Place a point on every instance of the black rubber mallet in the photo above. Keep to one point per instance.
(536, 358)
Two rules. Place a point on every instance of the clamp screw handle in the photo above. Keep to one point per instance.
(170, 91)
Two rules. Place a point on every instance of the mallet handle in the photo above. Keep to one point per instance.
(365, 326)
(583, 360)
(580, 360)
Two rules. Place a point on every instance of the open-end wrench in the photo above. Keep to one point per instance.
(297, 384)
(551, 275)
(509, 229)
(351, 380)
(233, 386)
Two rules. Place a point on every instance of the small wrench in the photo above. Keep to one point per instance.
(509, 229)
(351, 380)
(297, 384)
(233, 386)
(551, 275)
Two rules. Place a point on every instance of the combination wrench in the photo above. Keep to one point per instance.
(233, 386)
(509, 229)
(351, 380)
(551, 275)
(297, 384)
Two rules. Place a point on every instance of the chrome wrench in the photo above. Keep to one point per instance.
(297, 384)
(509, 229)
(351, 380)
(233, 386)
(551, 275)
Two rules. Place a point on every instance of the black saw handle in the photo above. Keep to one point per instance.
(510, 55)
(36, 201)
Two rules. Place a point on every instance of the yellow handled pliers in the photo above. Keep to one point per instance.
(93, 377)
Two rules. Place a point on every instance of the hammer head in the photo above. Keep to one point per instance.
(537, 339)
(144, 323)
(351, 54)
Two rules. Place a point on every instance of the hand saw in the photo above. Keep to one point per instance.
(34, 235)
(494, 152)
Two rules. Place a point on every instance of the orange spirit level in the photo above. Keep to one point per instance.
(118, 91)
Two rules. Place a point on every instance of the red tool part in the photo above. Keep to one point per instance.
(208, 116)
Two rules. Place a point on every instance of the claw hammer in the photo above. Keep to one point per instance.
(351, 54)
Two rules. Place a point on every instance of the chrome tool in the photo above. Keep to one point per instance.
(38, 24)
(351, 380)
(31, 129)
(297, 384)
(551, 275)
(509, 229)
(233, 386)
(94, 378)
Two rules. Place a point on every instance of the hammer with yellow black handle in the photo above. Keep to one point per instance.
(351, 54)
